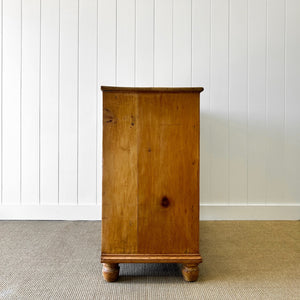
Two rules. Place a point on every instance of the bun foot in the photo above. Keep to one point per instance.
(110, 272)
(190, 272)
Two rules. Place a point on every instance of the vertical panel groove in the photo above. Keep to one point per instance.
(228, 103)
(21, 81)
(257, 103)
(87, 121)
(1, 102)
(284, 100)
(134, 55)
(49, 102)
(40, 79)
(58, 109)
(77, 107)
(116, 46)
(96, 158)
(237, 100)
(266, 99)
(191, 24)
(209, 106)
(154, 5)
(247, 131)
(172, 28)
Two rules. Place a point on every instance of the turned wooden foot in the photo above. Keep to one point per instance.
(190, 272)
(110, 272)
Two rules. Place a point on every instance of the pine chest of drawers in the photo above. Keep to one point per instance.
(150, 206)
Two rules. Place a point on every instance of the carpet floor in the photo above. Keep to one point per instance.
(61, 260)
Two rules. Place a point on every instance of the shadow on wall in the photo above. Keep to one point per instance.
(247, 159)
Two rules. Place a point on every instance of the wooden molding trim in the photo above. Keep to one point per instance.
(152, 258)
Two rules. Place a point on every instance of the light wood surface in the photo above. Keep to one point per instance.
(151, 175)
(168, 173)
(119, 196)
(151, 258)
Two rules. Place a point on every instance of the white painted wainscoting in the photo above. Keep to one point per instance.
(55, 54)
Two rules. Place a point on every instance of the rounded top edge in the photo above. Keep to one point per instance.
(153, 89)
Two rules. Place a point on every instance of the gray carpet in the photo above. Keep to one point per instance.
(61, 260)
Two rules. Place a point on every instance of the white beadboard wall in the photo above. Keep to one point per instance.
(55, 54)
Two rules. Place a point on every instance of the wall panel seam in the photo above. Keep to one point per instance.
(209, 96)
(228, 103)
(40, 100)
(191, 24)
(21, 104)
(97, 89)
(58, 108)
(116, 46)
(172, 48)
(266, 104)
(284, 87)
(1, 102)
(154, 2)
(135, 45)
(247, 132)
(77, 104)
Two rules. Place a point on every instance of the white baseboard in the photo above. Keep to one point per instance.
(50, 212)
(207, 212)
(250, 212)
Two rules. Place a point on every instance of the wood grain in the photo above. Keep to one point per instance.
(119, 204)
(150, 175)
(168, 172)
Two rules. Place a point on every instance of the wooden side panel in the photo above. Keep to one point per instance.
(168, 173)
(119, 204)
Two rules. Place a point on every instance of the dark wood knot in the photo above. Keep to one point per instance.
(165, 202)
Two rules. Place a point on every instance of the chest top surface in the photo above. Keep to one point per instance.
(152, 89)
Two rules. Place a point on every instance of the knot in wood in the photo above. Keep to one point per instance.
(165, 202)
